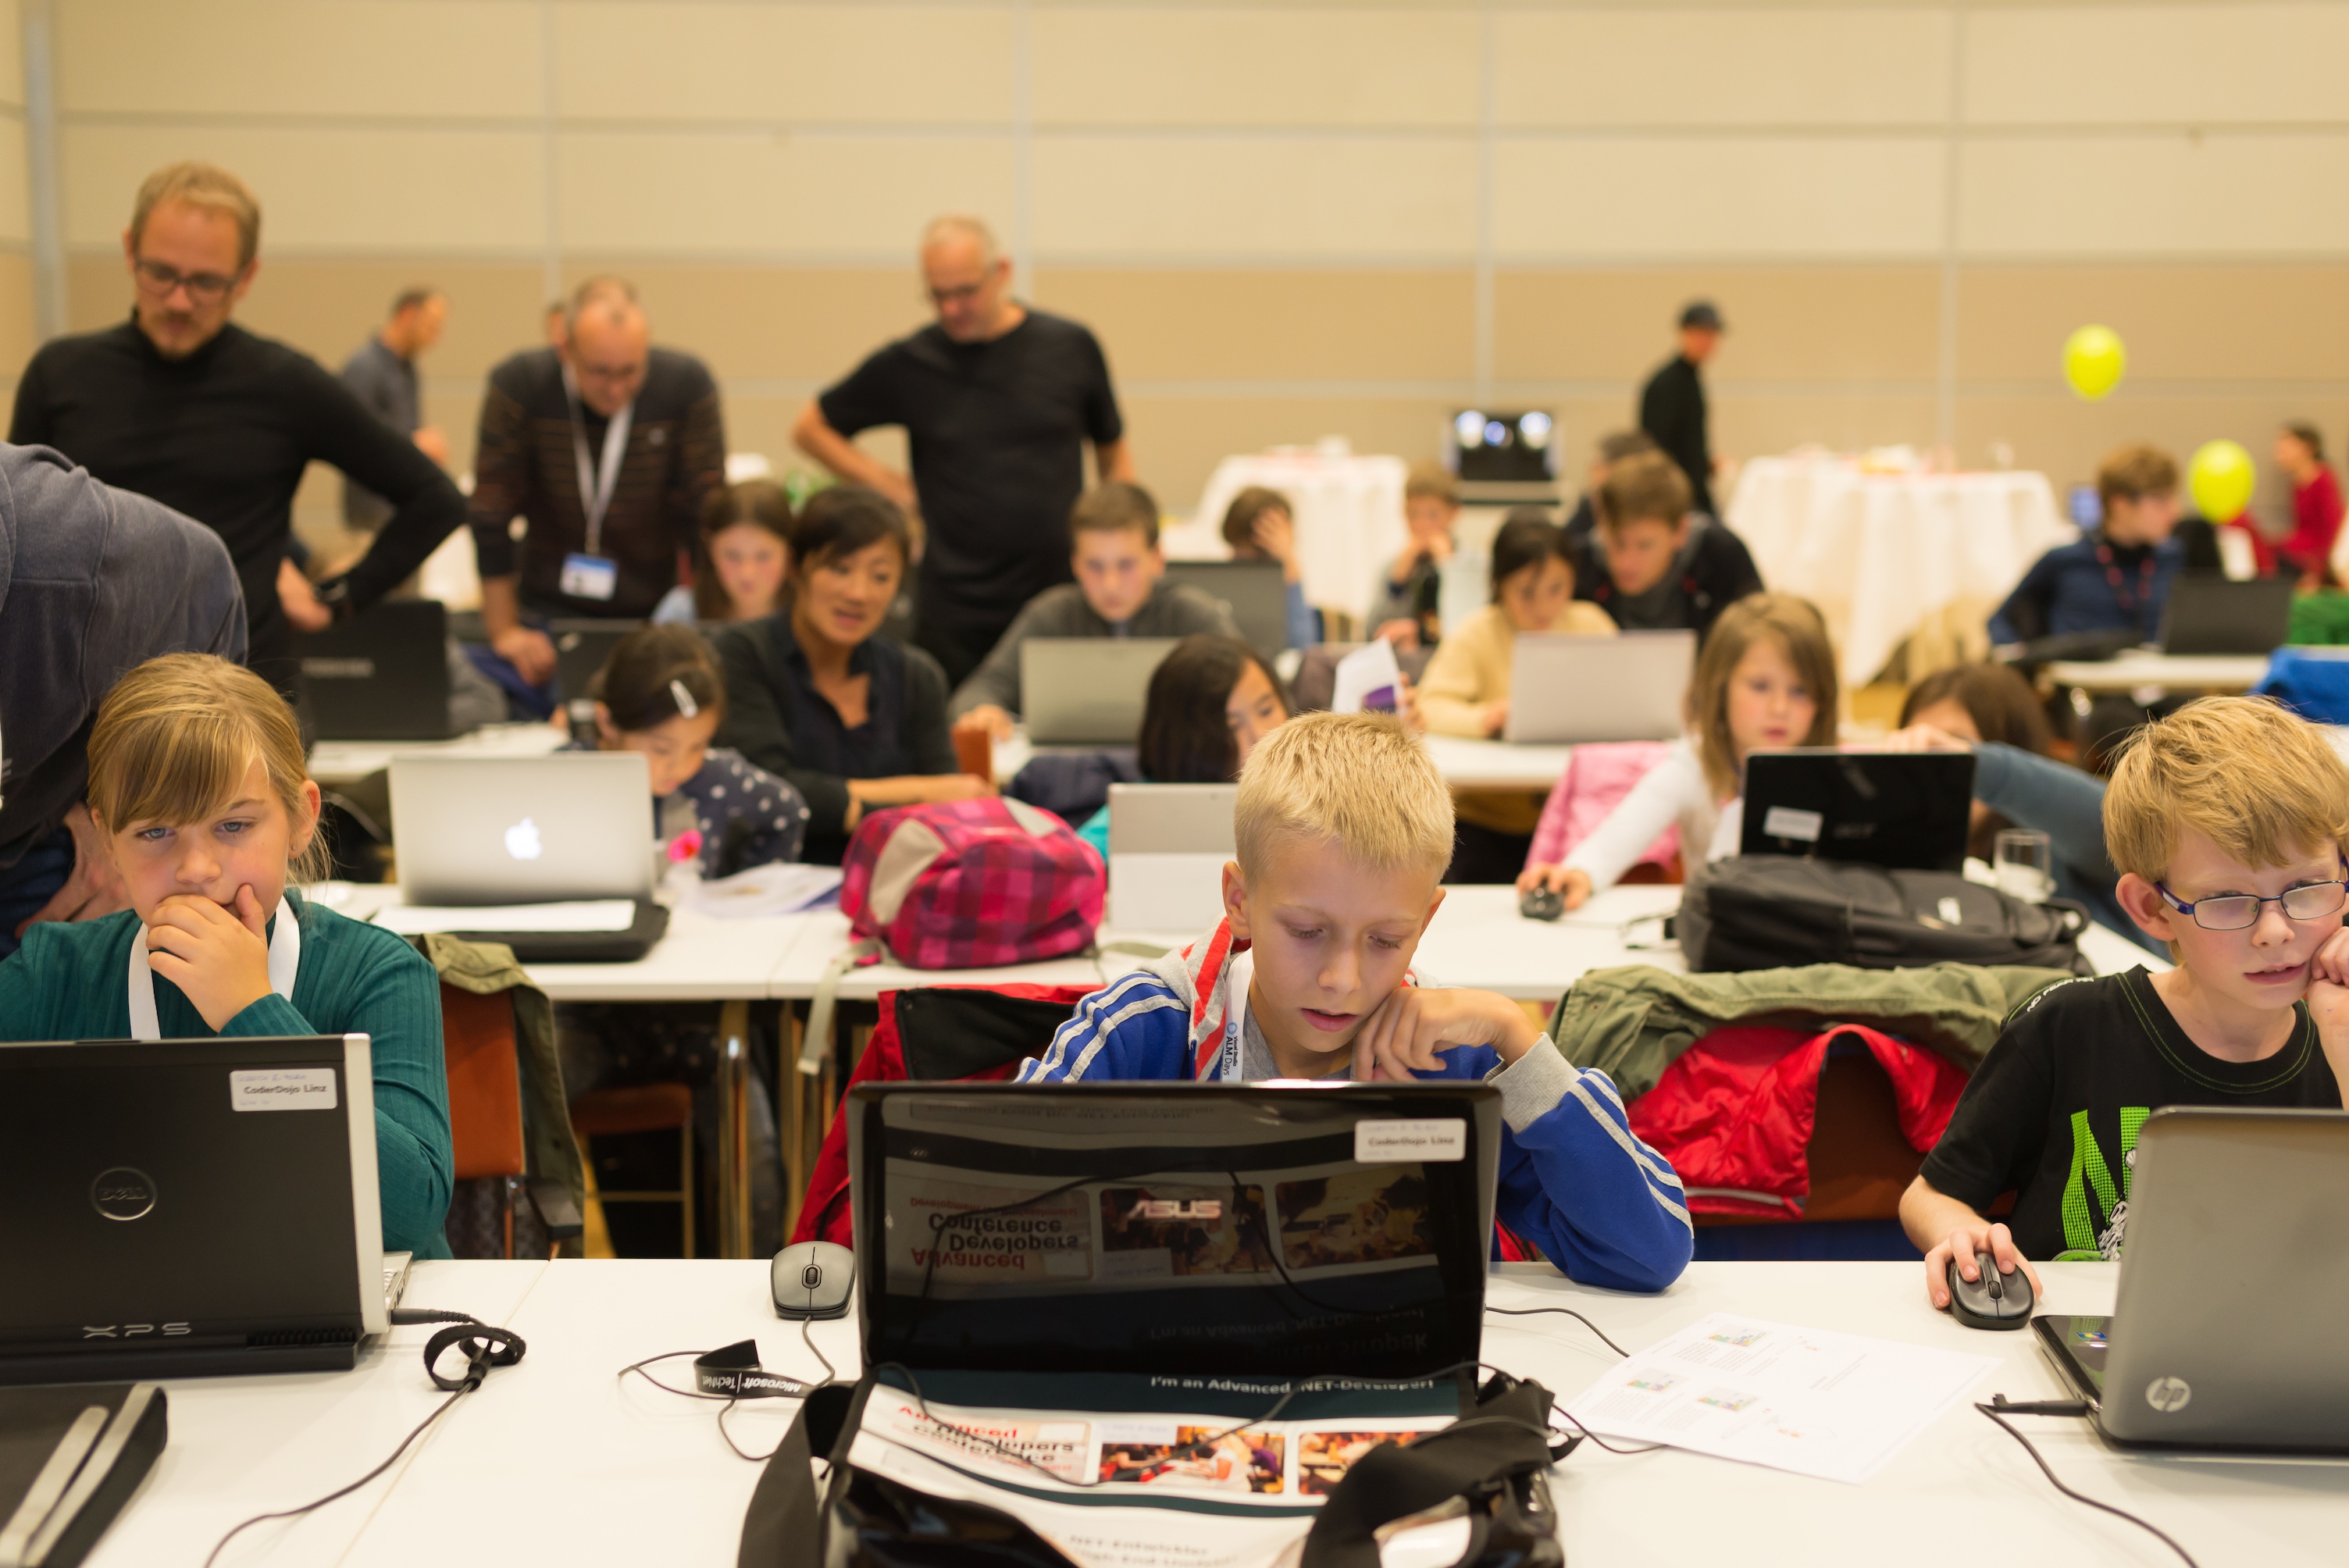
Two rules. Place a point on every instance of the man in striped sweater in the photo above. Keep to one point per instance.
(1343, 828)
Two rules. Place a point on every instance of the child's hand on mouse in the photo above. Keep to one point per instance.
(1962, 1243)
(218, 957)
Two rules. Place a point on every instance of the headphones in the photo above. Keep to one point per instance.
(484, 1345)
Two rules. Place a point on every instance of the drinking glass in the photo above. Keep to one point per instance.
(2025, 864)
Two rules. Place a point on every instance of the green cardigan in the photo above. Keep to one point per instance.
(69, 983)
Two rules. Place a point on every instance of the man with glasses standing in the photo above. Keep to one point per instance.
(997, 401)
(606, 448)
(181, 405)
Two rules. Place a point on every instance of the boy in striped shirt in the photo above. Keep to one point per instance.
(1343, 829)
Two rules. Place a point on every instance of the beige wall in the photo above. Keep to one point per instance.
(1289, 219)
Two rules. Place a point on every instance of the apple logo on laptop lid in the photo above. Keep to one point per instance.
(523, 842)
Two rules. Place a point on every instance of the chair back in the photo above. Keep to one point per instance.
(485, 1129)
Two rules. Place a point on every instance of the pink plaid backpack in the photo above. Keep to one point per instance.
(970, 884)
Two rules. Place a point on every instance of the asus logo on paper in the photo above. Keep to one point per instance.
(1167, 1209)
(132, 1330)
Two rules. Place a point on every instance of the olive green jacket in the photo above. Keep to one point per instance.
(1633, 1022)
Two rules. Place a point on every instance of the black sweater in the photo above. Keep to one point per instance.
(223, 435)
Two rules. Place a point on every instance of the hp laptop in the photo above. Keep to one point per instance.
(1169, 1228)
(1904, 810)
(1168, 844)
(2214, 616)
(182, 1208)
(2226, 1337)
(580, 649)
(382, 675)
(1567, 689)
(1087, 691)
(1252, 593)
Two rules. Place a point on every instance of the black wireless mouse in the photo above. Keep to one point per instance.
(813, 1279)
(1542, 903)
(1994, 1301)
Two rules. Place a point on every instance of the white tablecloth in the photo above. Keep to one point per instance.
(1878, 552)
(1349, 512)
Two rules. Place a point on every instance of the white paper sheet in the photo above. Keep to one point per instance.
(578, 915)
(1833, 1406)
(768, 890)
(1369, 679)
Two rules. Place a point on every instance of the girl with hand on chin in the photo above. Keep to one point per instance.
(199, 794)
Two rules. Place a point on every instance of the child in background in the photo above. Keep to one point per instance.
(660, 694)
(746, 552)
(1612, 450)
(1120, 591)
(1465, 690)
(2315, 504)
(1260, 525)
(1210, 701)
(1344, 827)
(2227, 820)
(1764, 679)
(1406, 613)
(198, 788)
(1651, 564)
(2114, 580)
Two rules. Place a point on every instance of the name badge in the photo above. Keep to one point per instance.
(590, 576)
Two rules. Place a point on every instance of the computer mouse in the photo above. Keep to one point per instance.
(1994, 1301)
(1542, 903)
(813, 1279)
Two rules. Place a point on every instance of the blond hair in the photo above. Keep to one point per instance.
(1430, 481)
(174, 739)
(2134, 472)
(1791, 624)
(201, 185)
(1359, 782)
(1645, 487)
(2261, 783)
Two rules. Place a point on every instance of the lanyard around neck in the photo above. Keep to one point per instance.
(2129, 601)
(596, 479)
(285, 958)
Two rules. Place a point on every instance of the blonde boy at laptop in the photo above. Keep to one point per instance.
(2227, 820)
(1343, 828)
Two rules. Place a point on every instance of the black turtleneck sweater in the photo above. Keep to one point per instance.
(223, 435)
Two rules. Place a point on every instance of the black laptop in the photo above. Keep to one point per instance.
(1254, 594)
(382, 675)
(580, 649)
(180, 1208)
(1170, 1230)
(1904, 810)
(2214, 616)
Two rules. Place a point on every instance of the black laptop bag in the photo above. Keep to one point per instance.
(1773, 912)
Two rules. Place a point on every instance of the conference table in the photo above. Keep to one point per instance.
(1465, 763)
(560, 1459)
(2187, 675)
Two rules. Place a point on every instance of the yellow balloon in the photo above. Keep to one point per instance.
(2094, 360)
(2222, 479)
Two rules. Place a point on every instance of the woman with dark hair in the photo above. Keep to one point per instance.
(852, 720)
(745, 554)
(1210, 701)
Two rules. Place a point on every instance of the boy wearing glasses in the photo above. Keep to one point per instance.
(2227, 820)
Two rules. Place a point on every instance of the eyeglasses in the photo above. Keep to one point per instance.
(961, 294)
(2237, 911)
(205, 288)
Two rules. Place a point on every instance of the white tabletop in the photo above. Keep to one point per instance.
(2180, 672)
(1465, 764)
(334, 762)
(559, 1461)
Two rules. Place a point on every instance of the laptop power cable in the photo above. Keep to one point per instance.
(485, 1346)
(2001, 1406)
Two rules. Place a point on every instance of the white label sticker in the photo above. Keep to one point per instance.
(1792, 822)
(1397, 1142)
(282, 1089)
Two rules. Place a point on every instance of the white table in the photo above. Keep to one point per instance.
(345, 762)
(2175, 673)
(1465, 764)
(1878, 552)
(1348, 513)
(559, 1461)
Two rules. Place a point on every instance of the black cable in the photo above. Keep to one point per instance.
(1999, 1409)
(728, 1401)
(1567, 1311)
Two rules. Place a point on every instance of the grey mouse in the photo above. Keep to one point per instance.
(813, 1279)
(1542, 903)
(1994, 1301)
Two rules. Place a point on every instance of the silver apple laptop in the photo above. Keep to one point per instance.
(523, 830)
(1168, 844)
(1566, 689)
(2226, 1337)
(1087, 691)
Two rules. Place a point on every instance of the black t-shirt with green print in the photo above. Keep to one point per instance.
(2052, 1113)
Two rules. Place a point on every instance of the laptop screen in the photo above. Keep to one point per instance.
(1903, 810)
(1173, 1228)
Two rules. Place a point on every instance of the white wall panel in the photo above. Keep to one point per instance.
(2158, 64)
(2153, 196)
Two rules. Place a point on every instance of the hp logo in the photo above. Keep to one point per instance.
(2168, 1394)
